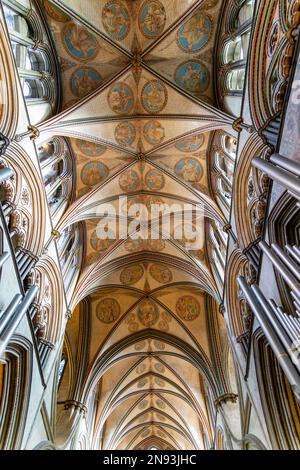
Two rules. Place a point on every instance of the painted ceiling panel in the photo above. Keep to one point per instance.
(139, 112)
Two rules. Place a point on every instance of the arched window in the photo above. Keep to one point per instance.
(32, 54)
(218, 241)
(236, 80)
(245, 13)
(70, 254)
(61, 369)
(230, 146)
(56, 164)
(235, 45)
(223, 163)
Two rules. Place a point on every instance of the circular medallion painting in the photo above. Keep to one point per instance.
(93, 173)
(159, 345)
(188, 308)
(92, 258)
(140, 346)
(189, 169)
(90, 149)
(161, 273)
(102, 244)
(152, 18)
(79, 43)
(116, 20)
(120, 98)
(167, 317)
(134, 246)
(141, 368)
(108, 310)
(159, 382)
(142, 383)
(148, 313)
(195, 33)
(155, 180)
(83, 191)
(133, 327)
(154, 96)
(143, 405)
(192, 76)
(132, 275)
(190, 144)
(55, 13)
(129, 181)
(161, 404)
(125, 133)
(154, 133)
(160, 368)
(84, 81)
(155, 201)
(156, 245)
(163, 326)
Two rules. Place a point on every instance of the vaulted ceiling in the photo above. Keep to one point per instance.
(139, 109)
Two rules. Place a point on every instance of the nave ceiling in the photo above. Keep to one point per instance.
(140, 112)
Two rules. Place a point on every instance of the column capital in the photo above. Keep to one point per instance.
(4, 143)
(76, 405)
(34, 132)
(227, 228)
(227, 397)
(56, 234)
(222, 309)
(237, 125)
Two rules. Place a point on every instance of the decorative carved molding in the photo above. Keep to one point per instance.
(4, 143)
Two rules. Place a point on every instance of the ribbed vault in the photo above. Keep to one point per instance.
(143, 345)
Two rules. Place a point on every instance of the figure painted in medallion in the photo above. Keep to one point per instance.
(161, 273)
(83, 191)
(159, 382)
(90, 149)
(140, 346)
(188, 308)
(55, 13)
(144, 404)
(108, 310)
(159, 368)
(80, 43)
(132, 275)
(155, 180)
(101, 244)
(120, 98)
(84, 81)
(192, 76)
(148, 313)
(155, 201)
(116, 20)
(134, 246)
(161, 404)
(141, 368)
(92, 258)
(189, 169)
(129, 181)
(154, 133)
(152, 18)
(154, 96)
(190, 144)
(195, 33)
(125, 133)
(159, 345)
(93, 173)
